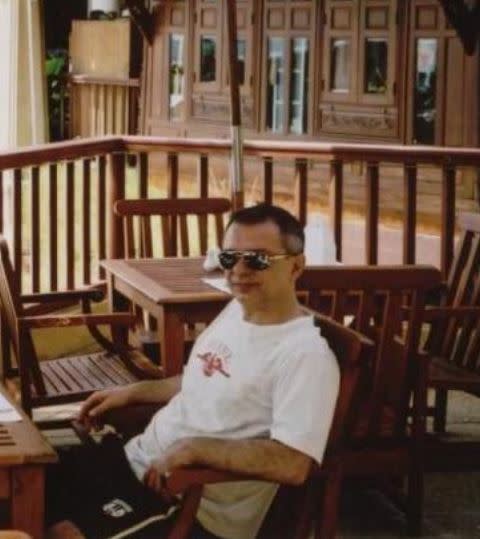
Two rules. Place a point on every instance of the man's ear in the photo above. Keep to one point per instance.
(299, 263)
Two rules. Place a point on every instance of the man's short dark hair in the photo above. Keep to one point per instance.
(290, 227)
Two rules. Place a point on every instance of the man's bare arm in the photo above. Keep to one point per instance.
(161, 391)
(147, 391)
(266, 459)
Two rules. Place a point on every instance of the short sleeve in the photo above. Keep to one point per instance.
(304, 397)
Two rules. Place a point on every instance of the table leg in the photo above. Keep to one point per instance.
(172, 341)
(28, 496)
(117, 303)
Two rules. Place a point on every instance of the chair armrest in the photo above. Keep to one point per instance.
(45, 321)
(93, 294)
(183, 479)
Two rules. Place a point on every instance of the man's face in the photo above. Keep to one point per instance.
(258, 288)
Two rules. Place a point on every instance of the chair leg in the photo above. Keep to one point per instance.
(440, 411)
(326, 526)
(415, 494)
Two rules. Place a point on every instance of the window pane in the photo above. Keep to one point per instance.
(376, 59)
(299, 86)
(340, 65)
(176, 99)
(208, 59)
(241, 55)
(275, 84)
(425, 90)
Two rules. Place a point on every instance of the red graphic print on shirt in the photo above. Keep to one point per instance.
(213, 363)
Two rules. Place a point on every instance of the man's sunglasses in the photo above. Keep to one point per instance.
(253, 260)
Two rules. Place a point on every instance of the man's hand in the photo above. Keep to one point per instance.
(100, 402)
(179, 455)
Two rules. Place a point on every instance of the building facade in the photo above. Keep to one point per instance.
(358, 70)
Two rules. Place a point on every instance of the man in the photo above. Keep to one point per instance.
(257, 395)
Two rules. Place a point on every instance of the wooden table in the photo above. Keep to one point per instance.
(172, 291)
(24, 452)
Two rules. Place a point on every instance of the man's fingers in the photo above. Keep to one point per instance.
(89, 404)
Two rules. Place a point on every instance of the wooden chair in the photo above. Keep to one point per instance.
(173, 213)
(385, 439)
(354, 352)
(67, 379)
(454, 340)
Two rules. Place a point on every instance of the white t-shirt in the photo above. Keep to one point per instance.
(246, 380)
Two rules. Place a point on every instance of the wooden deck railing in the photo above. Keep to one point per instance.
(100, 106)
(56, 200)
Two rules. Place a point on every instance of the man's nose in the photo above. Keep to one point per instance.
(241, 266)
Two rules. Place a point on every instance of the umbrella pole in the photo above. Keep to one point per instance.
(236, 159)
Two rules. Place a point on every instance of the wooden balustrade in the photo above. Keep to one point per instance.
(56, 200)
(101, 106)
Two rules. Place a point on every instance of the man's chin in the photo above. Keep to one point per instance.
(244, 293)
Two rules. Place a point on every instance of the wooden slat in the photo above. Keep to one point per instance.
(117, 192)
(184, 237)
(336, 203)
(143, 175)
(86, 212)
(172, 177)
(35, 229)
(129, 237)
(102, 226)
(202, 220)
(301, 177)
(448, 218)
(203, 175)
(371, 232)
(17, 226)
(268, 180)
(70, 224)
(410, 213)
(53, 225)
(165, 234)
(220, 229)
(146, 236)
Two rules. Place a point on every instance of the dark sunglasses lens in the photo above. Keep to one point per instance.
(257, 261)
(227, 260)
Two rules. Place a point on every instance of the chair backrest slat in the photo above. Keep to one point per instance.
(129, 237)
(185, 244)
(174, 213)
(457, 340)
(145, 237)
(374, 301)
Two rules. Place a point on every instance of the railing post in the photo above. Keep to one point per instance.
(203, 175)
(410, 212)
(172, 189)
(116, 191)
(301, 181)
(371, 232)
(448, 217)
(17, 225)
(143, 171)
(336, 204)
